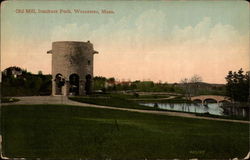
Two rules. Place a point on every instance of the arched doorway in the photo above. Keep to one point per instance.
(74, 84)
(88, 84)
(60, 81)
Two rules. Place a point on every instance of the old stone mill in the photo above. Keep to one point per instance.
(72, 67)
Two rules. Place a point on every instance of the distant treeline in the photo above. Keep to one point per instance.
(19, 82)
(110, 84)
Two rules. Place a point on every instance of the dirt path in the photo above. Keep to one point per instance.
(65, 100)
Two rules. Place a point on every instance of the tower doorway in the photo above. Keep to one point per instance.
(59, 80)
(74, 84)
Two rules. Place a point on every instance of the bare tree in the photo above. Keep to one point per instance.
(194, 81)
(191, 85)
(186, 87)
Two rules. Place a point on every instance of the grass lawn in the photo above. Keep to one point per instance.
(92, 133)
(8, 99)
(125, 101)
(177, 99)
(113, 100)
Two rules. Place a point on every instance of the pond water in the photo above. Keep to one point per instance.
(211, 108)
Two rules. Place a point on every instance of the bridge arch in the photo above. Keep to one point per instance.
(210, 100)
(215, 98)
(197, 100)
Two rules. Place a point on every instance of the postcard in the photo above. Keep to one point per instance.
(128, 79)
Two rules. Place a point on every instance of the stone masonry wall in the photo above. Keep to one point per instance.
(69, 57)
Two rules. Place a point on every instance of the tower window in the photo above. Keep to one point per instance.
(88, 62)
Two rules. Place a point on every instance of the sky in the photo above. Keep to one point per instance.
(142, 40)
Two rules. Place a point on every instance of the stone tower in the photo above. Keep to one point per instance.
(72, 67)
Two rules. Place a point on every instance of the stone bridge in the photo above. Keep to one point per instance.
(204, 98)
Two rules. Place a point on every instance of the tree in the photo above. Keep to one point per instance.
(196, 78)
(24, 83)
(40, 73)
(191, 85)
(111, 80)
(99, 82)
(194, 81)
(237, 86)
(186, 87)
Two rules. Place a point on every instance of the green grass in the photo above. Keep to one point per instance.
(113, 100)
(223, 117)
(125, 101)
(8, 99)
(150, 96)
(50, 131)
(177, 99)
(160, 99)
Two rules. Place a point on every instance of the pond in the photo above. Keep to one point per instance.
(211, 108)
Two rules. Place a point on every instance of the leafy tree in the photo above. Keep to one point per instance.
(237, 86)
(111, 80)
(40, 73)
(99, 83)
(25, 84)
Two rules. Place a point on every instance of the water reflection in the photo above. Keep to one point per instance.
(236, 109)
(171, 106)
(211, 108)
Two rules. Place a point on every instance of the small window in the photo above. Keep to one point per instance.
(88, 62)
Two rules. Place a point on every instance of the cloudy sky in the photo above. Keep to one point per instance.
(143, 40)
